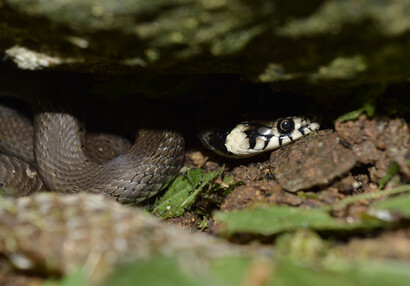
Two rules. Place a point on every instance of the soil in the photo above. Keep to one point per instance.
(14, 278)
(319, 170)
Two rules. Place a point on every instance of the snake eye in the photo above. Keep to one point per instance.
(285, 126)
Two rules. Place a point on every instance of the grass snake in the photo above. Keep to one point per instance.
(57, 155)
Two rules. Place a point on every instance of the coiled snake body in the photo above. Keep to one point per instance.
(63, 163)
(135, 175)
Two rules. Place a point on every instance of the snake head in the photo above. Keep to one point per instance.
(250, 138)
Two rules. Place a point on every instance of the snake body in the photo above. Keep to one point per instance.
(63, 163)
(133, 176)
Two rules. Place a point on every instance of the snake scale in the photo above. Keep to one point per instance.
(55, 153)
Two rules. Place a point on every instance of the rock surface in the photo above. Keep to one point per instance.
(304, 166)
(267, 41)
(59, 234)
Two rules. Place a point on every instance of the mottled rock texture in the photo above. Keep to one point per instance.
(267, 41)
(58, 234)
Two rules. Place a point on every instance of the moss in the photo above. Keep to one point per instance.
(342, 68)
(281, 41)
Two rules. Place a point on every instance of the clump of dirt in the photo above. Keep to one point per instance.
(252, 172)
(189, 220)
(377, 142)
(264, 191)
(197, 159)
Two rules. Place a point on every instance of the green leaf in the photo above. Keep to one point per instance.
(211, 176)
(156, 271)
(251, 270)
(307, 195)
(203, 224)
(352, 115)
(228, 179)
(75, 279)
(183, 192)
(169, 271)
(394, 168)
(272, 220)
(365, 101)
(370, 108)
(399, 205)
(194, 176)
(365, 196)
(168, 205)
(232, 270)
(343, 273)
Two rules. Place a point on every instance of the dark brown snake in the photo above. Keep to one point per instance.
(133, 176)
(64, 164)
(54, 154)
